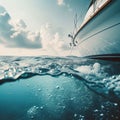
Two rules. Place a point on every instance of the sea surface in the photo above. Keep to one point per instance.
(59, 88)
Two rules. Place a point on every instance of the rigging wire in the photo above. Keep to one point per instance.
(76, 19)
(71, 35)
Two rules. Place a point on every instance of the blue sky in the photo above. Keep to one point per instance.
(38, 27)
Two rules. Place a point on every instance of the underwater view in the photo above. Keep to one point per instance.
(59, 88)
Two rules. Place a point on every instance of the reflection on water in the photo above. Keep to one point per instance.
(52, 88)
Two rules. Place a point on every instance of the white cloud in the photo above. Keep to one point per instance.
(60, 2)
(51, 39)
(16, 35)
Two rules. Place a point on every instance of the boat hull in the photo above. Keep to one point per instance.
(101, 35)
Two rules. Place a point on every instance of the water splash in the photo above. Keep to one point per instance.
(101, 77)
(98, 75)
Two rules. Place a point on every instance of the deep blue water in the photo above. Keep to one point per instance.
(55, 88)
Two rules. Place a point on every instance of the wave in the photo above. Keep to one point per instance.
(100, 76)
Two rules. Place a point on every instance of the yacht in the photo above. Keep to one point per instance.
(99, 34)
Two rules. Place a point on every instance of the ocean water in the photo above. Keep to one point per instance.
(56, 88)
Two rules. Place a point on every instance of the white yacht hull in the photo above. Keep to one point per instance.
(101, 35)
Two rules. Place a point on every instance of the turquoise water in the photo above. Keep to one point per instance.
(52, 88)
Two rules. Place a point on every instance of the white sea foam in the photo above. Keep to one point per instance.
(89, 69)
